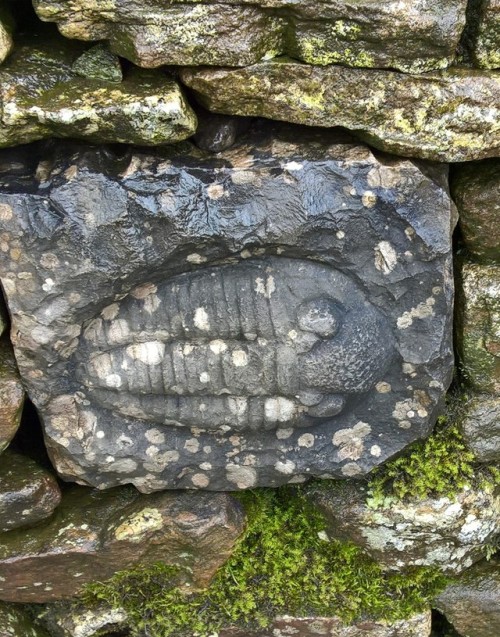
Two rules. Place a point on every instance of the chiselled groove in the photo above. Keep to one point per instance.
(254, 340)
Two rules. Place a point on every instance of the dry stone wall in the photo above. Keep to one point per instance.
(230, 259)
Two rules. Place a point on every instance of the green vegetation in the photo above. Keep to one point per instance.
(284, 563)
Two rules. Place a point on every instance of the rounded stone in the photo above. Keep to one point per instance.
(11, 395)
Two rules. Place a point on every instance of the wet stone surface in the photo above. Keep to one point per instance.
(471, 602)
(277, 311)
(427, 116)
(451, 534)
(28, 493)
(42, 94)
(407, 35)
(11, 395)
(94, 534)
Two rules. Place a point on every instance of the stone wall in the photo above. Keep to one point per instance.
(250, 363)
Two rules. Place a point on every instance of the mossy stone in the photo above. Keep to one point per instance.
(98, 63)
(15, 622)
(484, 32)
(478, 326)
(449, 116)
(476, 190)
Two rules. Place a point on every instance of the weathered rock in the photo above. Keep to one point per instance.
(93, 534)
(484, 32)
(11, 395)
(41, 96)
(3, 310)
(480, 427)
(472, 602)
(98, 63)
(218, 132)
(478, 326)
(476, 191)
(15, 622)
(28, 493)
(6, 27)
(449, 116)
(417, 626)
(411, 36)
(444, 532)
(67, 620)
(185, 320)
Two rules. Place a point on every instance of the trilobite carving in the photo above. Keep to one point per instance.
(255, 345)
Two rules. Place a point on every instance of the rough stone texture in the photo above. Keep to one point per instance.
(6, 27)
(416, 626)
(4, 319)
(480, 426)
(93, 534)
(216, 133)
(99, 63)
(410, 35)
(42, 96)
(476, 191)
(184, 320)
(65, 620)
(484, 36)
(11, 395)
(478, 326)
(451, 534)
(15, 622)
(472, 602)
(28, 493)
(450, 116)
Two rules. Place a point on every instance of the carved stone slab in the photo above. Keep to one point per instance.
(277, 311)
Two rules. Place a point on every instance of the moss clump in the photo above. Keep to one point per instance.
(285, 563)
(440, 466)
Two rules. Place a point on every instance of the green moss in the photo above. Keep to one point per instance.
(285, 563)
(440, 466)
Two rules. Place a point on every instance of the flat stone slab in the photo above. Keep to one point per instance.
(94, 534)
(450, 116)
(407, 35)
(279, 311)
(471, 602)
(450, 533)
(28, 492)
(476, 191)
(478, 326)
(11, 395)
(42, 95)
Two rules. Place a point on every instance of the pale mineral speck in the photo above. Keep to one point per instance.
(306, 440)
(155, 436)
(340, 234)
(383, 388)
(187, 349)
(375, 450)
(200, 480)
(100, 434)
(293, 165)
(279, 409)
(113, 380)
(421, 311)
(245, 254)
(386, 257)
(207, 449)
(292, 335)
(266, 288)
(283, 434)
(192, 445)
(152, 451)
(240, 358)
(205, 466)
(201, 320)
(243, 477)
(218, 346)
(238, 405)
(215, 191)
(287, 467)
(369, 199)
(49, 260)
(351, 469)
(404, 424)
(110, 312)
(196, 258)
(204, 377)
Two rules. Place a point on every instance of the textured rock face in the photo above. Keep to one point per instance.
(64, 620)
(28, 493)
(485, 36)
(451, 534)
(479, 326)
(481, 427)
(476, 191)
(471, 602)
(416, 626)
(93, 534)
(11, 395)
(185, 321)
(6, 42)
(411, 36)
(42, 95)
(15, 622)
(450, 116)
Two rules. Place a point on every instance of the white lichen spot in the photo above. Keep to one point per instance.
(149, 353)
(351, 441)
(351, 469)
(155, 436)
(196, 258)
(192, 445)
(6, 212)
(218, 346)
(279, 409)
(369, 199)
(124, 465)
(375, 451)
(287, 467)
(283, 434)
(240, 358)
(204, 377)
(340, 234)
(49, 260)
(422, 311)
(187, 349)
(100, 434)
(292, 335)
(48, 285)
(138, 525)
(200, 480)
(383, 388)
(306, 440)
(245, 254)
(242, 477)
(385, 257)
(215, 191)
(114, 380)
(293, 165)
(201, 320)
(152, 451)
(238, 405)
(151, 303)
(266, 288)
(110, 312)
(205, 466)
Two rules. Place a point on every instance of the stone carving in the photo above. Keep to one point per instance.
(183, 320)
